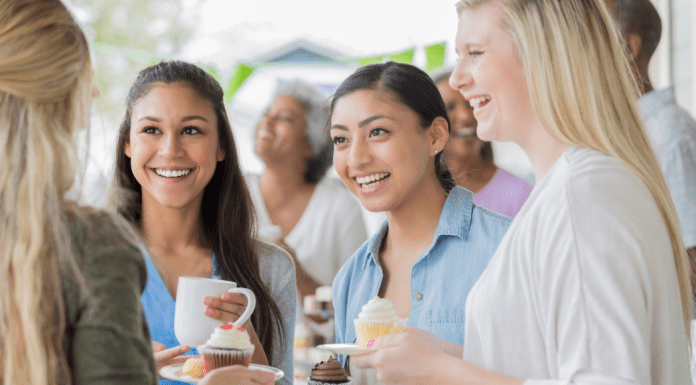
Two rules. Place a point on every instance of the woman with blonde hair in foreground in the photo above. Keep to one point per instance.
(71, 277)
(591, 282)
(69, 282)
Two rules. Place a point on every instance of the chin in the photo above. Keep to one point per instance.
(486, 134)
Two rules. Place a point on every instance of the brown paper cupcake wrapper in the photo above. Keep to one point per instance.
(214, 358)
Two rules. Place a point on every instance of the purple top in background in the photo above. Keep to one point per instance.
(504, 194)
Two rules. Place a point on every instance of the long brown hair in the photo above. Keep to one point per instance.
(45, 93)
(227, 213)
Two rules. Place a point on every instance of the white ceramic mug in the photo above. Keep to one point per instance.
(191, 326)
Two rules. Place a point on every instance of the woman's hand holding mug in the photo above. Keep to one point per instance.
(192, 324)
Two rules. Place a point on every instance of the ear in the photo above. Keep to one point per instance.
(220, 156)
(127, 147)
(635, 44)
(439, 131)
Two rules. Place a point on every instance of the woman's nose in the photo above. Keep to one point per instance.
(170, 146)
(359, 154)
(461, 78)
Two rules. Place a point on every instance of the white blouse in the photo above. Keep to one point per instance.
(329, 231)
(583, 288)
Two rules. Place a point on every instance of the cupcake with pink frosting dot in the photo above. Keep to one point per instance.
(228, 345)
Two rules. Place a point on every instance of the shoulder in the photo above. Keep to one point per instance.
(357, 264)
(106, 245)
(513, 181)
(93, 229)
(589, 174)
(276, 266)
(597, 196)
(492, 217)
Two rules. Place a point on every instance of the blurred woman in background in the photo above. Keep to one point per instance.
(317, 218)
(470, 160)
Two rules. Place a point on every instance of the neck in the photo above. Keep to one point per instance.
(414, 224)
(640, 70)
(645, 84)
(473, 171)
(288, 182)
(168, 229)
(543, 151)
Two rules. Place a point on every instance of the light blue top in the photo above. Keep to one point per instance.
(277, 273)
(672, 133)
(465, 240)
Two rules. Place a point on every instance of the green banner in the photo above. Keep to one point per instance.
(403, 57)
(436, 56)
(369, 60)
(240, 75)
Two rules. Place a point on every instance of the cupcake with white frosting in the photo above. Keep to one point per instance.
(228, 345)
(377, 317)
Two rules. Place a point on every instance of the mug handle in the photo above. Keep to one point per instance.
(251, 304)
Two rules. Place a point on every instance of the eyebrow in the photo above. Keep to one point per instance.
(362, 123)
(184, 119)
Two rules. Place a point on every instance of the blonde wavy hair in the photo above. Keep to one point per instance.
(582, 90)
(45, 94)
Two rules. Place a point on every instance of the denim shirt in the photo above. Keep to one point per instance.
(465, 240)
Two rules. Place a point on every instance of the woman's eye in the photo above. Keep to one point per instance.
(378, 131)
(475, 53)
(190, 131)
(338, 140)
(150, 130)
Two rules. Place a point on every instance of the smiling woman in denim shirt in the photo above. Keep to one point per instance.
(389, 125)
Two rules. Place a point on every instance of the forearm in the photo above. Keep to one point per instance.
(306, 285)
(452, 370)
(452, 349)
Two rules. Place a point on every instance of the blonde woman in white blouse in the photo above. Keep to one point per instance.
(590, 285)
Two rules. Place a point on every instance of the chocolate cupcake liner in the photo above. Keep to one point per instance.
(214, 357)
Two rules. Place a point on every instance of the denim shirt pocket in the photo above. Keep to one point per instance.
(447, 323)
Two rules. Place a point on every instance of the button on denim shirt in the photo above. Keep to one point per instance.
(465, 240)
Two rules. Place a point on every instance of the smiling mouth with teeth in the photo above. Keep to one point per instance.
(480, 101)
(464, 132)
(172, 173)
(373, 180)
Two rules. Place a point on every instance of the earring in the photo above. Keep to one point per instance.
(436, 152)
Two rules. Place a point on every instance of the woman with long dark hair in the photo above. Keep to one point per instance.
(389, 125)
(179, 182)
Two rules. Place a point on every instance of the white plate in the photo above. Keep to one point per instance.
(173, 372)
(345, 349)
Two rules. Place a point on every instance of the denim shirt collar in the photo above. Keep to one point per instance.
(455, 220)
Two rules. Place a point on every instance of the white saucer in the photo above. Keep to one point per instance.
(173, 372)
(345, 349)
